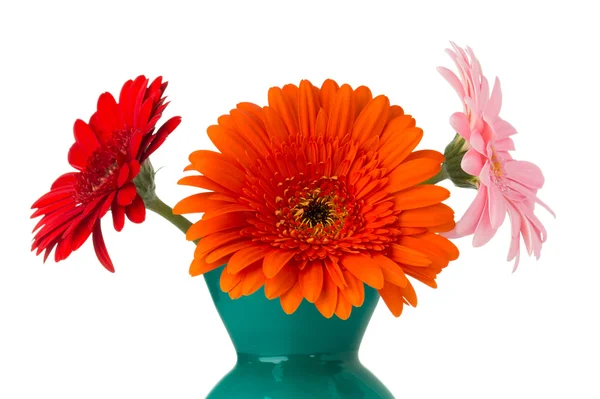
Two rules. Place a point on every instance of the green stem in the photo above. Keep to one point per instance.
(442, 175)
(164, 210)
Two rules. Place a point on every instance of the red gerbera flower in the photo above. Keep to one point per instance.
(107, 153)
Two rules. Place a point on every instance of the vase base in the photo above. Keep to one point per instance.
(300, 377)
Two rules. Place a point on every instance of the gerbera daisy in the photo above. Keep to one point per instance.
(314, 196)
(107, 154)
(504, 185)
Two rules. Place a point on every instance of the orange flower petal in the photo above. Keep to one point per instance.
(201, 266)
(291, 94)
(230, 144)
(203, 228)
(409, 231)
(227, 250)
(392, 272)
(363, 96)
(245, 257)
(311, 281)
(395, 127)
(343, 307)
(275, 260)
(251, 130)
(395, 111)
(410, 295)
(426, 275)
(274, 124)
(433, 253)
(197, 203)
(282, 106)
(342, 113)
(328, 90)
(226, 208)
(218, 168)
(202, 182)
(327, 301)
(399, 146)
(236, 292)
(321, 126)
(419, 197)
(426, 154)
(228, 281)
(282, 282)
(432, 215)
(253, 280)
(392, 296)
(371, 120)
(308, 106)
(291, 299)
(364, 268)
(442, 228)
(411, 173)
(216, 240)
(355, 291)
(335, 273)
(402, 254)
(442, 243)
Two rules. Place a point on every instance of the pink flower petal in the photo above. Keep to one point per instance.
(515, 222)
(497, 207)
(527, 235)
(506, 144)
(453, 80)
(467, 224)
(525, 173)
(527, 212)
(482, 96)
(477, 141)
(484, 175)
(503, 129)
(484, 231)
(460, 124)
(493, 105)
(472, 162)
(537, 242)
(471, 105)
(530, 194)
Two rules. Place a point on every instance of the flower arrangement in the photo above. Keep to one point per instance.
(313, 196)
(315, 205)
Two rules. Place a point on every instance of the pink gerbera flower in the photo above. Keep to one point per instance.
(504, 184)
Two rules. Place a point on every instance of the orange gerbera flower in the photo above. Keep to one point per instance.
(317, 194)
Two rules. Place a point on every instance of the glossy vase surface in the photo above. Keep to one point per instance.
(303, 355)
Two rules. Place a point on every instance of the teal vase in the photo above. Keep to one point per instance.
(303, 355)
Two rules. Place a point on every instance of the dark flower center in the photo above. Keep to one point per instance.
(316, 212)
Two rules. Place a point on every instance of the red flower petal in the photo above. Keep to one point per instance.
(126, 194)
(108, 116)
(136, 212)
(123, 175)
(165, 130)
(134, 169)
(118, 215)
(85, 136)
(100, 248)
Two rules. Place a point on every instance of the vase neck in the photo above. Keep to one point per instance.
(306, 360)
(260, 327)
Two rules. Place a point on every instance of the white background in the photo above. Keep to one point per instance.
(73, 330)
